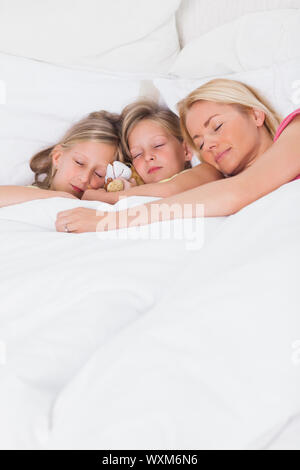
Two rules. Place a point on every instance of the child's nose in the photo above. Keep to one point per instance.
(85, 177)
(149, 156)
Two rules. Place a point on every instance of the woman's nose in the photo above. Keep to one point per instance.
(209, 143)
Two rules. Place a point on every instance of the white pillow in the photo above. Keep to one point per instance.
(42, 101)
(123, 36)
(279, 84)
(253, 41)
(197, 17)
(2, 92)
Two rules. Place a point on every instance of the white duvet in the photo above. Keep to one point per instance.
(143, 343)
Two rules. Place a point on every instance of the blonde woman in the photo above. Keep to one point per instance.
(235, 130)
(78, 160)
(153, 144)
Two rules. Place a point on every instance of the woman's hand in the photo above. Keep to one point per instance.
(94, 195)
(77, 220)
(81, 220)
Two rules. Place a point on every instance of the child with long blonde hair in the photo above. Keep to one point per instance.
(77, 161)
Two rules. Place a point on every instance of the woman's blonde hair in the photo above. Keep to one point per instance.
(148, 109)
(99, 126)
(225, 91)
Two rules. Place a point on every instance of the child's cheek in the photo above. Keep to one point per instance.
(167, 157)
(138, 166)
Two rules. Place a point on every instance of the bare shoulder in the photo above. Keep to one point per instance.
(278, 165)
(292, 129)
(296, 119)
(206, 169)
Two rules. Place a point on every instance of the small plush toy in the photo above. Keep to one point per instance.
(116, 171)
(136, 176)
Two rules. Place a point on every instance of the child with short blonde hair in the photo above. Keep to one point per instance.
(154, 146)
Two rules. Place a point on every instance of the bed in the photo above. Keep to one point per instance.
(178, 335)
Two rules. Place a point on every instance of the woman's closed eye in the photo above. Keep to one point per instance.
(216, 129)
(159, 145)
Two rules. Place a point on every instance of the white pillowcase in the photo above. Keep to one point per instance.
(253, 41)
(122, 36)
(42, 102)
(279, 84)
(197, 17)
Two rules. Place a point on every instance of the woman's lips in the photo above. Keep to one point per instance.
(218, 157)
(154, 168)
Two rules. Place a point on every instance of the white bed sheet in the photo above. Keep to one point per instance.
(145, 344)
(211, 365)
(63, 296)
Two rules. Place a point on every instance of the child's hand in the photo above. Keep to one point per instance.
(128, 184)
(93, 194)
(120, 184)
(100, 195)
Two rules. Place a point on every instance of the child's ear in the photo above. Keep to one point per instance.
(188, 154)
(56, 155)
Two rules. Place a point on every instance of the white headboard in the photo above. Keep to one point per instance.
(196, 17)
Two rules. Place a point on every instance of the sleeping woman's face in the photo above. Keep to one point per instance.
(225, 137)
(156, 154)
(83, 165)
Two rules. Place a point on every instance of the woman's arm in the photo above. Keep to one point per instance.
(196, 176)
(10, 195)
(280, 164)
